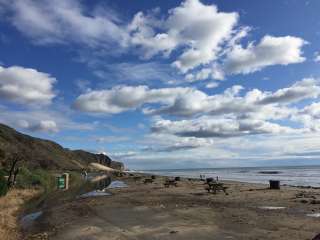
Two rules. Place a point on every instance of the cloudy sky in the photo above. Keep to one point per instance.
(166, 84)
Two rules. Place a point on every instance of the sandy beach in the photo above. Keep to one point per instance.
(151, 211)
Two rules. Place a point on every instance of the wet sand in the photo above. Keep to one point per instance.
(151, 211)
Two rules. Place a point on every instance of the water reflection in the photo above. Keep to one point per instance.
(103, 183)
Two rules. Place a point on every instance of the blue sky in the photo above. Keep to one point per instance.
(166, 84)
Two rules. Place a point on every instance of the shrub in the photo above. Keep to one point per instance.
(3, 184)
(37, 177)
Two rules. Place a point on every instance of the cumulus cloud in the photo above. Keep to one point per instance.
(308, 88)
(124, 98)
(189, 102)
(269, 51)
(317, 57)
(42, 120)
(49, 126)
(48, 22)
(207, 42)
(26, 85)
(197, 28)
(167, 143)
(196, 38)
(205, 127)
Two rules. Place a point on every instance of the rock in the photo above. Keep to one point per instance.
(315, 201)
(304, 201)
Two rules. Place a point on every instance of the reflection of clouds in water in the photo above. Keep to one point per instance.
(316, 215)
(28, 220)
(117, 184)
(95, 193)
(103, 183)
(272, 208)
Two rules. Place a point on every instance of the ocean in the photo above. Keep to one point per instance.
(293, 175)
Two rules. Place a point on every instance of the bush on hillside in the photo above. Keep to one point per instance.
(27, 178)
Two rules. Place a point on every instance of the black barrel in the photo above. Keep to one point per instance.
(274, 184)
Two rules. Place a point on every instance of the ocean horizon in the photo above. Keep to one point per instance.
(308, 175)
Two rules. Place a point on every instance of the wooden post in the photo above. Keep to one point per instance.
(66, 180)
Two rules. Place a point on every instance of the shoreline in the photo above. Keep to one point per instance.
(152, 211)
(231, 181)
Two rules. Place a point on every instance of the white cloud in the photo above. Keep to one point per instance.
(205, 41)
(207, 127)
(49, 126)
(124, 98)
(317, 57)
(55, 21)
(43, 120)
(269, 51)
(26, 85)
(198, 29)
(189, 102)
(307, 88)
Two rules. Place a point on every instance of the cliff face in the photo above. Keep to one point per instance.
(47, 154)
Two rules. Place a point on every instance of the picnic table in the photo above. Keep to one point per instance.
(215, 186)
(148, 180)
(170, 182)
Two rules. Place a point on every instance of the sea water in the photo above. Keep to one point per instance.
(295, 176)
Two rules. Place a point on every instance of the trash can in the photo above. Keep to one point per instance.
(61, 182)
(274, 184)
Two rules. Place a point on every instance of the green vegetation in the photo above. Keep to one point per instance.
(3, 183)
(35, 178)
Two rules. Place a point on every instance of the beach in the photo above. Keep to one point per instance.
(152, 211)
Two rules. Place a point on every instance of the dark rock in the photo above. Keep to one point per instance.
(304, 201)
(315, 201)
(269, 172)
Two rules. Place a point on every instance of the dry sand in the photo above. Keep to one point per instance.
(10, 208)
(150, 211)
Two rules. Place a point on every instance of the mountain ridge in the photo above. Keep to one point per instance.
(46, 154)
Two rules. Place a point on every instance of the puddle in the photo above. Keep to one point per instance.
(316, 215)
(117, 184)
(95, 193)
(28, 220)
(271, 208)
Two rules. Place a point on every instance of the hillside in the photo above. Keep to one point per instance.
(46, 154)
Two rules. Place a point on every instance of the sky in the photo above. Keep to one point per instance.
(166, 84)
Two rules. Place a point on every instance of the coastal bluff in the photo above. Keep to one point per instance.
(47, 154)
